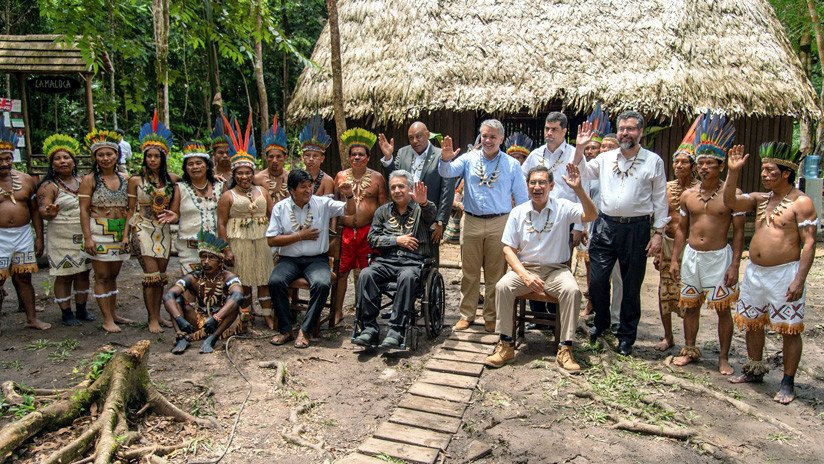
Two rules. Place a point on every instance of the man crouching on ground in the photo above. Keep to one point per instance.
(536, 247)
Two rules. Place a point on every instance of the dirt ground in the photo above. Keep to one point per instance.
(524, 412)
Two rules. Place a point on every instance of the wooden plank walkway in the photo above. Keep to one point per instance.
(431, 411)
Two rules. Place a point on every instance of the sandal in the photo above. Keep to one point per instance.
(302, 341)
(281, 339)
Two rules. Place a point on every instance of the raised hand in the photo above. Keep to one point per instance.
(447, 152)
(736, 158)
(345, 189)
(573, 177)
(419, 194)
(584, 133)
(387, 148)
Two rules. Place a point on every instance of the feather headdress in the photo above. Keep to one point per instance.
(358, 137)
(97, 139)
(241, 144)
(687, 145)
(275, 137)
(313, 137)
(155, 134)
(195, 149)
(600, 123)
(779, 153)
(8, 140)
(518, 143)
(58, 142)
(713, 137)
(208, 242)
(218, 136)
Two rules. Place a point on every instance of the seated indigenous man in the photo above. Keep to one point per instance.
(300, 227)
(400, 233)
(536, 247)
(218, 296)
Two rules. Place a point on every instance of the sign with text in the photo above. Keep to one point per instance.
(54, 84)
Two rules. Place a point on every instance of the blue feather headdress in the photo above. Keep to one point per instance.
(600, 123)
(275, 137)
(713, 137)
(155, 134)
(518, 143)
(8, 140)
(313, 137)
(218, 136)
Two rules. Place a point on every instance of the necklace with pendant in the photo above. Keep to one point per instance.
(15, 186)
(307, 223)
(708, 200)
(485, 179)
(210, 292)
(530, 228)
(625, 173)
(359, 186)
(761, 213)
(276, 192)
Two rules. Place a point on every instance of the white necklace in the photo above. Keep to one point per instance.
(480, 171)
(530, 228)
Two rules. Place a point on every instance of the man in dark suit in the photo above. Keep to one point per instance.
(420, 158)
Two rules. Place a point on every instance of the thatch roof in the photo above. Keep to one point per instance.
(657, 56)
(40, 54)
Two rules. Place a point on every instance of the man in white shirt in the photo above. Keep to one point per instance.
(125, 151)
(536, 249)
(299, 225)
(633, 198)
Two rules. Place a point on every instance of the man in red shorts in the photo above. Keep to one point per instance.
(369, 188)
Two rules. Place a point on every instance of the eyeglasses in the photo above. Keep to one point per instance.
(542, 183)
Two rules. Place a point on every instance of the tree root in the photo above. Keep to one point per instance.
(737, 404)
(157, 450)
(659, 430)
(293, 435)
(280, 372)
(123, 381)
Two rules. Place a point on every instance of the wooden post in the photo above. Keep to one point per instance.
(89, 101)
(21, 80)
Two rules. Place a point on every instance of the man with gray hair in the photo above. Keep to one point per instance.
(633, 199)
(491, 180)
(400, 234)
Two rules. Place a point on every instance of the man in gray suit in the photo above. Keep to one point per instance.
(420, 158)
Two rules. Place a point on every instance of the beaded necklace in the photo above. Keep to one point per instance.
(15, 187)
(480, 171)
(557, 163)
(65, 187)
(206, 205)
(318, 179)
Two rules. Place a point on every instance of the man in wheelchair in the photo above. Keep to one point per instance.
(400, 234)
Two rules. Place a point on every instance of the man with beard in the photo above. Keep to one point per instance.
(218, 295)
(781, 254)
(633, 198)
(536, 249)
(420, 158)
(492, 180)
(369, 190)
(709, 268)
(683, 165)
(400, 233)
(18, 249)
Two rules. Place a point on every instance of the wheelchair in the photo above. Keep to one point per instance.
(427, 309)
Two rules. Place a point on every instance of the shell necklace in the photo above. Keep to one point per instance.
(406, 228)
(530, 228)
(480, 171)
(628, 171)
(708, 200)
(307, 223)
(15, 187)
(359, 186)
(761, 213)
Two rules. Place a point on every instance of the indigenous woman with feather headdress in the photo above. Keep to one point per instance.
(242, 219)
(195, 203)
(150, 216)
(103, 207)
(58, 204)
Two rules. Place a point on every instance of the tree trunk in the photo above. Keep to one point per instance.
(284, 24)
(215, 100)
(806, 127)
(337, 78)
(7, 31)
(112, 90)
(160, 13)
(819, 41)
(263, 97)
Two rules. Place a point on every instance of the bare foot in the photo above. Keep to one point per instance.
(111, 327)
(338, 318)
(724, 367)
(746, 377)
(664, 345)
(682, 360)
(123, 320)
(38, 324)
(166, 323)
(786, 393)
(154, 327)
(270, 322)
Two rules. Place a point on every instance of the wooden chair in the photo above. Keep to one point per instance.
(301, 304)
(521, 316)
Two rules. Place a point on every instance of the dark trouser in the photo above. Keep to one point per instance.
(316, 270)
(627, 243)
(382, 270)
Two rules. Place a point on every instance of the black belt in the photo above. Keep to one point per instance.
(625, 219)
(485, 216)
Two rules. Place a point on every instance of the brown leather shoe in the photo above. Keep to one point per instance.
(504, 353)
(489, 326)
(566, 360)
(281, 338)
(463, 324)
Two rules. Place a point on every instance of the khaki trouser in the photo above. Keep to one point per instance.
(481, 246)
(558, 282)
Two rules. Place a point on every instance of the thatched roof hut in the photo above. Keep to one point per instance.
(449, 62)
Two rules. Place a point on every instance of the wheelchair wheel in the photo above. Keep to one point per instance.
(433, 304)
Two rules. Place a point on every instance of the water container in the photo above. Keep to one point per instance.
(811, 165)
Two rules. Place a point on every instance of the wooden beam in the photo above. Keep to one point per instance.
(89, 101)
(21, 80)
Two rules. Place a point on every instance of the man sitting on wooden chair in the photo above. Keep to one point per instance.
(300, 227)
(536, 247)
(400, 232)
